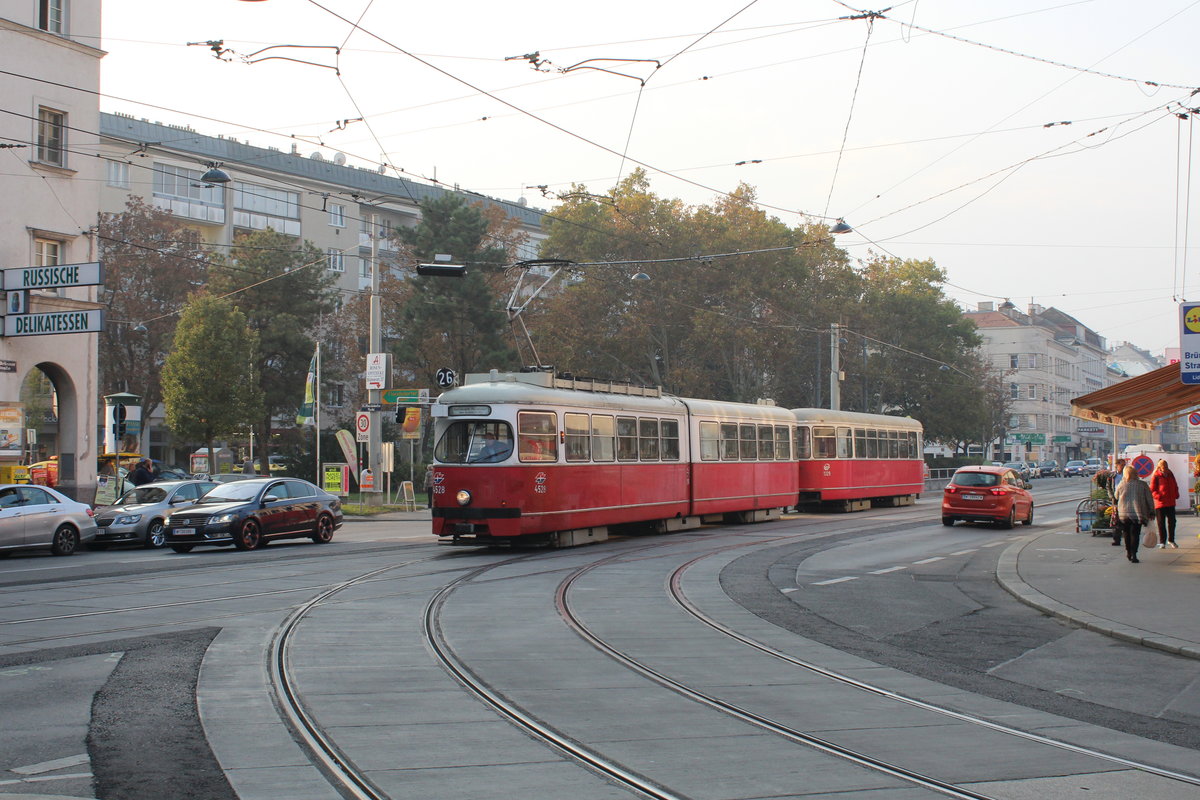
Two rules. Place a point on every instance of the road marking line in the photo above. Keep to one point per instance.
(836, 580)
(789, 591)
(889, 569)
(46, 778)
(928, 560)
(965, 552)
(50, 766)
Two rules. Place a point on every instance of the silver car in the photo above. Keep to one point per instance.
(37, 517)
(138, 515)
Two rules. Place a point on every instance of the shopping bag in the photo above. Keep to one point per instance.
(1150, 536)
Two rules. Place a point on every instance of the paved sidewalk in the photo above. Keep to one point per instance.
(1085, 580)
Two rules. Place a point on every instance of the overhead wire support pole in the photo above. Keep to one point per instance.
(375, 396)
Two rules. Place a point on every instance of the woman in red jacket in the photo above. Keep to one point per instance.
(1165, 489)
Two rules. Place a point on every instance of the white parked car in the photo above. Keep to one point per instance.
(38, 517)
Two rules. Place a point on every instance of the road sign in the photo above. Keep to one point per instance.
(362, 426)
(371, 407)
(446, 378)
(1189, 343)
(400, 396)
(1143, 465)
(54, 322)
(56, 277)
(1193, 427)
(379, 370)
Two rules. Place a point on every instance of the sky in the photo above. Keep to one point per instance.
(1033, 149)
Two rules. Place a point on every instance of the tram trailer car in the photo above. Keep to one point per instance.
(531, 458)
(850, 461)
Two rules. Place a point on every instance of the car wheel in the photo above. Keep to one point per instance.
(249, 537)
(324, 530)
(182, 548)
(65, 541)
(1028, 520)
(947, 521)
(1008, 522)
(155, 535)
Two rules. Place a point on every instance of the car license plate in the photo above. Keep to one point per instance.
(184, 532)
(972, 497)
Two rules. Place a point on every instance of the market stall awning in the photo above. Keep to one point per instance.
(1141, 402)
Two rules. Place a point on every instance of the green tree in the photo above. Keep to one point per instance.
(283, 287)
(151, 264)
(454, 322)
(209, 385)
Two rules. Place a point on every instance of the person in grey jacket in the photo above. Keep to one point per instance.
(1135, 507)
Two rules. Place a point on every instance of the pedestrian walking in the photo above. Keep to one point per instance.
(429, 486)
(248, 467)
(1165, 489)
(1135, 505)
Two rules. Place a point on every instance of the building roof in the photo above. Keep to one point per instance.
(369, 183)
(1140, 402)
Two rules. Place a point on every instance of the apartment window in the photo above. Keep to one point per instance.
(180, 191)
(47, 253)
(117, 174)
(52, 16)
(1014, 360)
(51, 136)
(364, 268)
(259, 207)
(337, 215)
(337, 260)
(337, 395)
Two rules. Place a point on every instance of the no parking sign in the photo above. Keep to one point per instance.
(1143, 465)
(1193, 427)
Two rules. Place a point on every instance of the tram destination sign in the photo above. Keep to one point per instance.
(54, 322)
(60, 276)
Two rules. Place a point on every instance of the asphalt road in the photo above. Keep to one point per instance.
(100, 702)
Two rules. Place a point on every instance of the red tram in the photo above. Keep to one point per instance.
(532, 457)
(851, 460)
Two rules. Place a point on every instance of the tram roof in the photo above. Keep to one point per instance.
(544, 388)
(818, 415)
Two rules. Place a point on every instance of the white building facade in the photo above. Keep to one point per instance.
(48, 209)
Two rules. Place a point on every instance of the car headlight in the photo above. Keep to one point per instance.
(222, 518)
(463, 497)
(127, 519)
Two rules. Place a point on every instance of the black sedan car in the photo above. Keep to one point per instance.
(250, 513)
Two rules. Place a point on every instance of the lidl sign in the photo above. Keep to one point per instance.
(1189, 343)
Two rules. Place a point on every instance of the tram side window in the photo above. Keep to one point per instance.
(710, 441)
(905, 445)
(803, 450)
(602, 438)
(537, 436)
(749, 449)
(729, 441)
(627, 440)
(824, 442)
(893, 444)
(914, 443)
(648, 439)
(783, 444)
(766, 443)
(578, 438)
(670, 439)
(872, 443)
(860, 443)
(845, 444)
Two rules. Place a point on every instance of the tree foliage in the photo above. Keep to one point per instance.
(458, 323)
(209, 385)
(738, 306)
(152, 264)
(283, 287)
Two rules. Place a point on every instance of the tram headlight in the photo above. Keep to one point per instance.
(463, 497)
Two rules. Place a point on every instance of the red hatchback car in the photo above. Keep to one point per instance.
(987, 494)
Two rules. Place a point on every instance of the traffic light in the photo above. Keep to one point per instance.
(442, 270)
(119, 420)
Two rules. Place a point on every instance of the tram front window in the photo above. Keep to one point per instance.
(474, 442)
